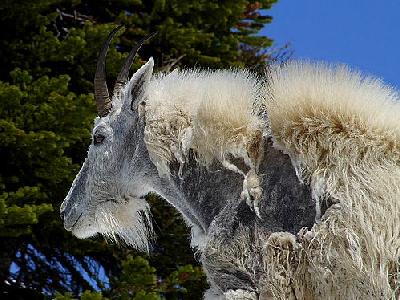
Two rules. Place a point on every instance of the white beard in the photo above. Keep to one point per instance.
(128, 222)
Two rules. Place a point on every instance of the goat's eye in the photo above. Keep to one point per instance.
(98, 139)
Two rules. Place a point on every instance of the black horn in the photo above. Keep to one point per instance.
(123, 75)
(101, 95)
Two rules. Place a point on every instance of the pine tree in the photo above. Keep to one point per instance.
(48, 51)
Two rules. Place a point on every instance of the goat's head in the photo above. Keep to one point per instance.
(107, 195)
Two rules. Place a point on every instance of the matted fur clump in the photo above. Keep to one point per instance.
(342, 131)
(212, 112)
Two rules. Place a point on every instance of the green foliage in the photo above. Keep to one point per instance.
(139, 280)
(40, 119)
(88, 295)
(137, 277)
(48, 51)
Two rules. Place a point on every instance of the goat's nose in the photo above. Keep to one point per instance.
(70, 213)
(62, 209)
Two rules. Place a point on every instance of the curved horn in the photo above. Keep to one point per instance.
(122, 78)
(103, 101)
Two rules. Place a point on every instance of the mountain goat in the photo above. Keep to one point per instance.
(290, 184)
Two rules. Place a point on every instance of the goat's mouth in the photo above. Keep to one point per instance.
(70, 226)
(123, 219)
(82, 224)
(83, 228)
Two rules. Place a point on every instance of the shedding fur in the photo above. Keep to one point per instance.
(211, 112)
(342, 129)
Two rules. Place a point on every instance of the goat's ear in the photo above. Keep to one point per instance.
(137, 87)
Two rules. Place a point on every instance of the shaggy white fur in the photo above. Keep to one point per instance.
(211, 112)
(342, 131)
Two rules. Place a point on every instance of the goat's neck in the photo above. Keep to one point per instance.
(205, 190)
(197, 192)
(200, 193)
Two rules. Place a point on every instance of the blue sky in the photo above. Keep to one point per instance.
(364, 34)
